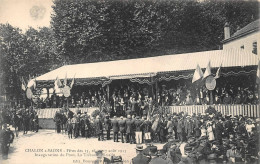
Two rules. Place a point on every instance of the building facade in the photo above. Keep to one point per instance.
(247, 38)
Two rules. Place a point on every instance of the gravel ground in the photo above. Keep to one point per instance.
(46, 147)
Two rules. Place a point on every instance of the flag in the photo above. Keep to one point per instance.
(57, 83)
(72, 83)
(23, 84)
(218, 72)
(258, 73)
(65, 80)
(34, 85)
(197, 74)
(207, 71)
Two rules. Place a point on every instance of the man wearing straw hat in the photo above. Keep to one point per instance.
(140, 158)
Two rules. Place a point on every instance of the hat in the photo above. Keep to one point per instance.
(139, 147)
(121, 117)
(99, 152)
(115, 116)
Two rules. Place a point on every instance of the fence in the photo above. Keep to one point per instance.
(245, 110)
(50, 112)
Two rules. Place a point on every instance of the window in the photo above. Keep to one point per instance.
(242, 47)
(254, 48)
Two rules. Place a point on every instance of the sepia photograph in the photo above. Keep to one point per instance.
(129, 81)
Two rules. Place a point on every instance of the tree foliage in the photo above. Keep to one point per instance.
(100, 30)
(23, 54)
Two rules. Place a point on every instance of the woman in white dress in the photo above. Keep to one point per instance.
(210, 131)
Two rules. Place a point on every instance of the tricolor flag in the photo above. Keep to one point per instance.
(72, 83)
(218, 72)
(23, 84)
(57, 83)
(65, 80)
(207, 71)
(258, 73)
(197, 74)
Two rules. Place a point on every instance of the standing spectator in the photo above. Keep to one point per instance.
(227, 99)
(169, 127)
(154, 158)
(138, 132)
(233, 154)
(6, 137)
(115, 126)
(180, 129)
(99, 128)
(140, 158)
(147, 129)
(219, 130)
(122, 125)
(107, 123)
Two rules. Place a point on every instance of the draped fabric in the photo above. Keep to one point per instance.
(160, 76)
(225, 72)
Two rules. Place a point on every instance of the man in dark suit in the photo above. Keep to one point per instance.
(99, 128)
(140, 158)
(122, 128)
(129, 129)
(115, 126)
(155, 159)
(100, 158)
(107, 122)
(147, 125)
(6, 137)
(138, 132)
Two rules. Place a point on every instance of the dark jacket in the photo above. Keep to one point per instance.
(138, 124)
(140, 159)
(147, 126)
(107, 124)
(98, 125)
(129, 126)
(122, 125)
(115, 125)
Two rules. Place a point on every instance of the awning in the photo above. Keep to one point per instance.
(148, 67)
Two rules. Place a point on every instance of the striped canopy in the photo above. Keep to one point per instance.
(148, 67)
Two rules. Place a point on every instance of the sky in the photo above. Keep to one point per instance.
(26, 13)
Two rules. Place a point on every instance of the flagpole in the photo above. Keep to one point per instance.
(211, 98)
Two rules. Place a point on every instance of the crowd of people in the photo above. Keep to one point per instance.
(21, 120)
(201, 138)
(126, 95)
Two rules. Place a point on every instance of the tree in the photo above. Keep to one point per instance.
(24, 54)
(101, 30)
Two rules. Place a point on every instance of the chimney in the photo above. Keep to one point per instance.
(226, 31)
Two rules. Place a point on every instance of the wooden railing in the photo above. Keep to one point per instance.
(245, 110)
(50, 112)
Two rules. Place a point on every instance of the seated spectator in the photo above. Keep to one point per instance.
(237, 99)
(227, 99)
(217, 99)
(188, 100)
(197, 100)
(233, 154)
